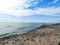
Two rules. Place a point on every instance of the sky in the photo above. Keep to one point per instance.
(30, 10)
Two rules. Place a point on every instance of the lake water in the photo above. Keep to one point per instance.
(16, 28)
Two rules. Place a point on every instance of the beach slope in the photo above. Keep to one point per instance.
(44, 35)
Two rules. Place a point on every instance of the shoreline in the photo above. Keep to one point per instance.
(48, 34)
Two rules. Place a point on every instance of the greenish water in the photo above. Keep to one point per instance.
(16, 28)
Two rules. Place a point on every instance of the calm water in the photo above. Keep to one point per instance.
(16, 28)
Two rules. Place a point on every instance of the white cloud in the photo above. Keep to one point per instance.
(10, 6)
(17, 8)
(48, 11)
(55, 1)
(6, 5)
(44, 11)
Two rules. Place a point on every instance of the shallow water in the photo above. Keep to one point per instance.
(16, 28)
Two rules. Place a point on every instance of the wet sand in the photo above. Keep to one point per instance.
(44, 35)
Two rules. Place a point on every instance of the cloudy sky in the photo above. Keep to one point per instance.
(30, 10)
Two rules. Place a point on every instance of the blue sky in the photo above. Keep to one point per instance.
(30, 10)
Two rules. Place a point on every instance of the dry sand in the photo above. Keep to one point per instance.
(46, 35)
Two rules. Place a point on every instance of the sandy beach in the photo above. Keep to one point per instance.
(44, 35)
